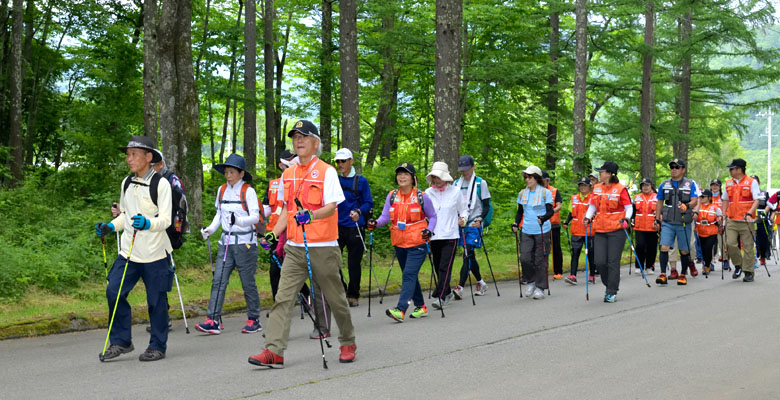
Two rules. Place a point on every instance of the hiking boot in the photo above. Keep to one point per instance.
(419, 312)
(315, 334)
(610, 298)
(353, 302)
(151, 355)
(267, 359)
(681, 280)
(707, 270)
(252, 326)
(170, 326)
(210, 326)
(481, 289)
(748, 277)
(395, 313)
(538, 294)
(571, 280)
(347, 353)
(557, 277)
(592, 279)
(673, 274)
(115, 351)
(458, 292)
(694, 271)
(529, 289)
(737, 272)
(661, 280)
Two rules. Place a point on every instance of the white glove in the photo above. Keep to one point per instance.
(205, 233)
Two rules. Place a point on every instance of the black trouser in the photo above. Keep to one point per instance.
(609, 248)
(533, 257)
(708, 244)
(471, 263)
(647, 248)
(577, 244)
(762, 238)
(275, 273)
(443, 258)
(349, 237)
(557, 254)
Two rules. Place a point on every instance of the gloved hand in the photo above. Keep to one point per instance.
(232, 219)
(624, 223)
(515, 227)
(270, 241)
(205, 233)
(683, 207)
(303, 217)
(141, 222)
(371, 224)
(103, 229)
(426, 234)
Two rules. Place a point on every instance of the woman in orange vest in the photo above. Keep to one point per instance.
(609, 211)
(413, 218)
(646, 226)
(579, 205)
(709, 218)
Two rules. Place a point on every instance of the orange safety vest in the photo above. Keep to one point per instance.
(556, 218)
(609, 212)
(276, 206)
(406, 208)
(708, 215)
(307, 184)
(645, 212)
(740, 198)
(579, 207)
(717, 200)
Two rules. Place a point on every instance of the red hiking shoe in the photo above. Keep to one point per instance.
(681, 280)
(347, 353)
(267, 359)
(673, 274)
(591, 279)
(694, 271)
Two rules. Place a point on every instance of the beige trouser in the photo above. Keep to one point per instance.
(325, 265)
(736, 230)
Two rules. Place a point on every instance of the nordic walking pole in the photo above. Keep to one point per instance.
(641, 269)
(433, 271)
(466, 256)
(370, 259)
(311, 282)
(723, 252)
(752, 235)
(211, 259)
(392, 263)
(118, 243)
(430, 283)
(519, 274)
(544, 252)
(118, 295)
(105, 261)
(181, 302)
(763, 224)
(218, 317)
(484, 248)
(688, 241)
(587, 272)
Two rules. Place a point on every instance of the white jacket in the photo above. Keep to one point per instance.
(449, 205)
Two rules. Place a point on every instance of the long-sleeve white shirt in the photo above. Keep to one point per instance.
(244, 230)
(449, 205)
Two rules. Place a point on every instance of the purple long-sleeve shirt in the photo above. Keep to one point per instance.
(428, 209)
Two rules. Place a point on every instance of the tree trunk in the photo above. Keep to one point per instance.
(269, 14)
(231, 79)
(29, 32)
(179, 114)
(580, 80)
(250, 87)
(225, 120)
(447, 123)
(389, 93)
(647, 108)
(234, 127)
(552, 94)
(211, 131)
(150, 69)
(15, 138)
(3, 59)
(326, 77)
(280, 62)
(350, 108)
(203, 43)
(34, 92)
(681, 146)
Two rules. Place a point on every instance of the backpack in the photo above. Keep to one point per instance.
(419, 198)
(179, 208)
(244, 205)
(489, 217)
(354, 189)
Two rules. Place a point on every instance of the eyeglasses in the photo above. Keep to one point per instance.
(341, 161)
(675, 167)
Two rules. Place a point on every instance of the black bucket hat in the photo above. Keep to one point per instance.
(235, 161)
(143, 142)
(408, 168)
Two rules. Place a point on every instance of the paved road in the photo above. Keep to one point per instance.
(711, 339)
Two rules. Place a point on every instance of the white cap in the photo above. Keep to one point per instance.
(533, 170)
(439, 170)
(343, 154)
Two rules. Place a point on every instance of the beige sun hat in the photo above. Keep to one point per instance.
(439, 170)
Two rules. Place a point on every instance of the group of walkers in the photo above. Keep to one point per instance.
(313, 211)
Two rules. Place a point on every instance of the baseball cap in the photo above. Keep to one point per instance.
(608, 166)
(678, 162)
(545, 175)
(716, 181)
(286, 155)
(706, 192)
(646, 181)
(533, 170)
(343, 154)
(465, 163)
(737, 163)
(304, 127)
(584, 181)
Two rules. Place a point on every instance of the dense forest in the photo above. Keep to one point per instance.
(562, 84)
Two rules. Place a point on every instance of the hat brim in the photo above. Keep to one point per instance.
(443, 175)
(221, 169)
(293, 131)
(155, 155)
(585, 183)
(674, 163)
(402, 169)
(465, 168)
(342, 158)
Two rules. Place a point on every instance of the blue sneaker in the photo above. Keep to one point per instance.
(252, 326)
(210, 326)
(610, 298)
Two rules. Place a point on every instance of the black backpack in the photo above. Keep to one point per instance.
(179, 224)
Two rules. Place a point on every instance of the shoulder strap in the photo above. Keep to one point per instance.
(153, 187)
(128, 181)
(393, 195)
(420, 198)
(220, 193)
(244, 188)
(471, 193)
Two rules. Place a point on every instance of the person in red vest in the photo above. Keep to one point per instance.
(555, 230)
(579, 232)
(739, 202)
(646, 226)
(708, 216)
(609, 211)
(312, 239)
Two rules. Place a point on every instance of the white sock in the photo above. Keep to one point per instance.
(482, 281)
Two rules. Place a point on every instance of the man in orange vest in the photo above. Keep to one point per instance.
(310, 194)
(739, 203)
(555, 231)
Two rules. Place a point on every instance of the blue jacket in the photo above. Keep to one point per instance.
(351, 202)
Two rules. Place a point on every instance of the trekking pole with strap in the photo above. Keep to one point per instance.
(311, 283)
(370, 260)
(588, 230)
(102, 355)
(105, 260)
(181, 302)
(468, 271)
(484, 248)
(753, 235)
(723, 252)
(641, 269)
(217, 307)
(519, 274)
(763, 223)
(690, 256)
(433, 272)
(544, 252)
(387, 280)
(211, 259)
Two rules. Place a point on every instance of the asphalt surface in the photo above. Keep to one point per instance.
(714, 339)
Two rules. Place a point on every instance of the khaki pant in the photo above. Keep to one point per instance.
(325, 265)
(736, 230)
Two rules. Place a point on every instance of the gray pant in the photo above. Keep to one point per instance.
(533, 258)
(244, 259)
(609, 248)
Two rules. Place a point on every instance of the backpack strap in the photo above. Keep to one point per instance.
(478, 184)
(152, 185)
(220, 193)
(244, 188)
(393, 195)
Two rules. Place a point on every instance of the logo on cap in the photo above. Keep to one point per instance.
(404, 165)
(299, 124)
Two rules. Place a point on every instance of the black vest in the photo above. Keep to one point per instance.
(673, 197)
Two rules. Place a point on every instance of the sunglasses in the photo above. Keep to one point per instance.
(675, 167)
(341, 161)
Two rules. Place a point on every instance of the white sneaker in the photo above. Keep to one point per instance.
(649, 271)
(436, 304)
(481, 289)
(458, 292)
(638, 271)
(529, 289)
(447, 298)
(538, 294)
